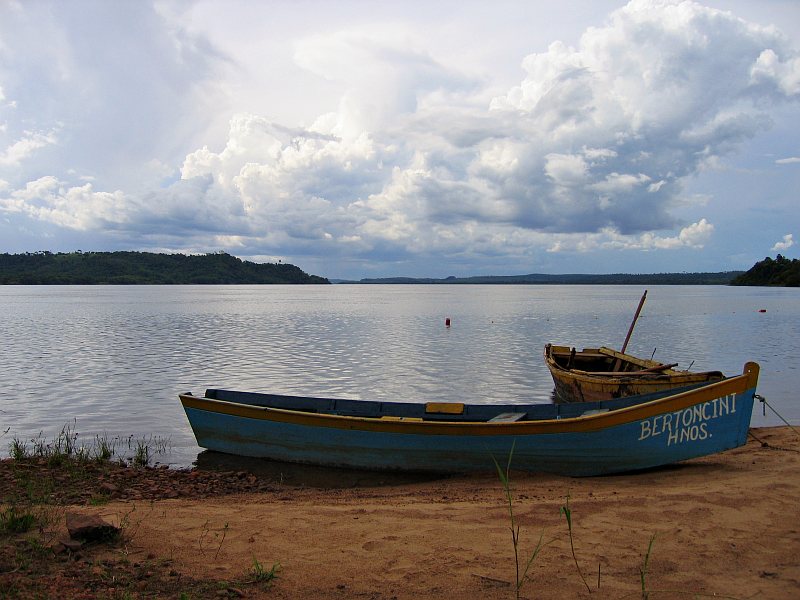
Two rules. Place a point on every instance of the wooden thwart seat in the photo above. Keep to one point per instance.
(508, 417)
(444, 408)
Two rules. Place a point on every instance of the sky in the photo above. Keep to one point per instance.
(420, 138)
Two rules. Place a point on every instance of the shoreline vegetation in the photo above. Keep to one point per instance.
(144, 268)
(220, 268)
(780, 272)
(198, 533)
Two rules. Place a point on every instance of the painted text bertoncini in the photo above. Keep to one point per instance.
(688, 424)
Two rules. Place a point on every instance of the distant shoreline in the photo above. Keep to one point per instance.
(719, 278)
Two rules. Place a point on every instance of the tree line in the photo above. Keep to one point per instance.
(778, 272)
(131, 268)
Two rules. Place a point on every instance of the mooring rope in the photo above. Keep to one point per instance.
(762, 442)
(768, 405)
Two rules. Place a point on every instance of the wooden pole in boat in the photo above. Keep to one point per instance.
(633, 323)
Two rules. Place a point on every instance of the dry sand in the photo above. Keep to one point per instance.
(725, 526)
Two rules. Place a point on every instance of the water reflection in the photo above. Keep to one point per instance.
(113, 359)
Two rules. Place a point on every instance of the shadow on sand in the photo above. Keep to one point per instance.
(307, 475)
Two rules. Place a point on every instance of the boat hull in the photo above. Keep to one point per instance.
(582, 385)
(663, 431)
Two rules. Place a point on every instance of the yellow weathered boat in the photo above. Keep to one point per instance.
(596, 374)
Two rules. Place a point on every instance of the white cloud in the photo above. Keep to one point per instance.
(616, 183)
(119, 83)
(695, 236)
(788, 161)
(788, 242)
(79, 208)
(23, 148)
(592, 148)
(389, 81)
(783, 72)
(566, 170)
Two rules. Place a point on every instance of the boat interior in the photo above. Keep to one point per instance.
(602, 360)
(430, 411)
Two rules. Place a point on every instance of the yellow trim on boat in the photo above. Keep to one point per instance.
(594, 422)
(445, 408)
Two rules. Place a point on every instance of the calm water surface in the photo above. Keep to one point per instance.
(112, 359)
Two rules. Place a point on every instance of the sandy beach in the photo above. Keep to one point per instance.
(725, 526)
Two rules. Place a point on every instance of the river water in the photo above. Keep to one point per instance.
(111, 360)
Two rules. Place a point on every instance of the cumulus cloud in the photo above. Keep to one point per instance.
(785, 244)
(695, 236)
(781, 72)
(592, 149)
(18, 151)
(80, 208)
(115, 86)
(391, 79)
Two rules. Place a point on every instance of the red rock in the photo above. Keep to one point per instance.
(89, 527)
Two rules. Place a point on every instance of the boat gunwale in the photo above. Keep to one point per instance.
(613, 378)
(584, 423)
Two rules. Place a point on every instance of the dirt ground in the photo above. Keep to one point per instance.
(726, 526)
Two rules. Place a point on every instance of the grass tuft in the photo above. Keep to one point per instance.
(18, 449)
(12, 520)
(643, 568)
(565, 510)
(261, 575)
(66, 448)
(521, 573)
(145, 448)
(104, 448)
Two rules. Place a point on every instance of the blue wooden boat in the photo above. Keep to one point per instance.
(590, 438)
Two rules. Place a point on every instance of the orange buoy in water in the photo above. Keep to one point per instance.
(447, 322)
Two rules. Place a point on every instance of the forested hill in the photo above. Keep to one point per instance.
(88, 268)
(779, 272)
